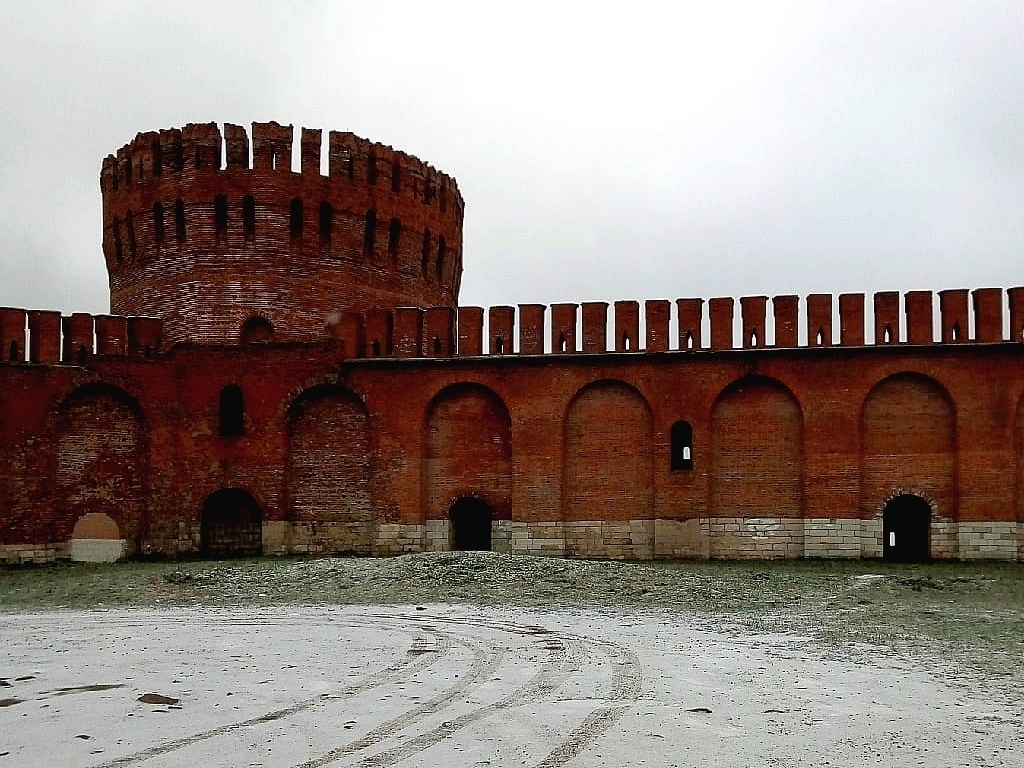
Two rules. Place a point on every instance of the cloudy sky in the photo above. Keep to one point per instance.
(605, 150)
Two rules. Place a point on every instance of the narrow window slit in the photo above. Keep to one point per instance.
(369, 231)
(179, 219)
(394, 233)
(232, 411)
(249, 218)
(326, 222)
(220, 217)
(681, 448)
(295, 219)
(158, 222)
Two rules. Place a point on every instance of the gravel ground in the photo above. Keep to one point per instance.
(482, 659)
(964, 621)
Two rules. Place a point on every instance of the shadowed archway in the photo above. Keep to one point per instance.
(906, 524)
(232, 525)
(471, 524)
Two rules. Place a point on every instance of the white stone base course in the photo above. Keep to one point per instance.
(699, 538)
(616, 540)
(394, 539)
(943, 539)
(303, 538)
(544, 539)
(756, 537)
(437, 536)
(98, 550)
(501, 536)
(988, 541)
(17, 554)
(682, 539)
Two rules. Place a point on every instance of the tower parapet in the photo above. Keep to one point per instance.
(197, 235)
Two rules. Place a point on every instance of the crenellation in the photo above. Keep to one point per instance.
(953, 316)
(920, 316)
(309, 158)
(44, 327)
(753, 311)
(439, 332)
(691, 320)
(147, 156)
(819, 320)
(627, 326)
(111, 335)
(379, 332)
(1015, 298)
(408, 332)
(236, 143)
(657, 319)
(78, 333)
(595, 326)
(272, 146)
(988, 314)
(501, 324)
(563, 328)
(201, 147)
(720, 311)
(887, 317)
(851, 319)
(786, 310)
(471, 331)
(12, 334)
(531, 329)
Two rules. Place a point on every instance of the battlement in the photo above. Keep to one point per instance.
(201, 227)
(960, 316)
(158, 157)
(47, 337)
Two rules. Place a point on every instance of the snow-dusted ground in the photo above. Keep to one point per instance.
(442, 685)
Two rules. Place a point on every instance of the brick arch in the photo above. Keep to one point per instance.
(468, 450)
(102, 457)
(608, 461)
(1018, 438)
(756, 491)
(330, 471)
(908, 428)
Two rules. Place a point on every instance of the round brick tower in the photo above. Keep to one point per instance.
(224, 252)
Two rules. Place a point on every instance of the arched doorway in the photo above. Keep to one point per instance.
(906, 521)
(232, 525)
(471, 524)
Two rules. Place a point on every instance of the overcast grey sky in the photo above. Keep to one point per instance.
(605, 150)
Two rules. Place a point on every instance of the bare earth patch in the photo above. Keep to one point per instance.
(514, 661)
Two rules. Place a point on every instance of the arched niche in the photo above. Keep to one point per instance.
(608, 471)
(468, 450)
(909, 439)
(756, 470)
(330, 470)
(101, 461)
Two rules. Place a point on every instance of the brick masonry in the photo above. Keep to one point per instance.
(294, 375)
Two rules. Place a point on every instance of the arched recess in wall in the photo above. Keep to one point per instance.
(909, 433)
(330, 471)
(756, 469)
(468, 450)
(1018, 437)
(102, 461)
(608, 460)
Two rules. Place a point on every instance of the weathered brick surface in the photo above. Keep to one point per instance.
(171, 254)
(372, 403)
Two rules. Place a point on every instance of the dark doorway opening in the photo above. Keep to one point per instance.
(232, 525)
(906, 522)
(471, 524)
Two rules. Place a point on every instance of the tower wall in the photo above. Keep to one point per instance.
(195, 234)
